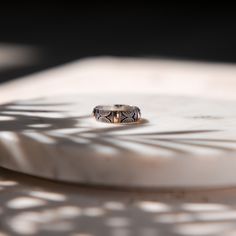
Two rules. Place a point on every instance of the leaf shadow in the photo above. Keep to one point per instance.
(38, 124)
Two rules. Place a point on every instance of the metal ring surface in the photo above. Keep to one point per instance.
(118, 113)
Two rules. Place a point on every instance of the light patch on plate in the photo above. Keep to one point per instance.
(48, 196)
(7, 118)
(25, 202)
(153, 206)
(203, 207)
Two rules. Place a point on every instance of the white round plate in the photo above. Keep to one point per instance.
(181, 141)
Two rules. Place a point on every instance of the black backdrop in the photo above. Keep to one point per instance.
(65, 32)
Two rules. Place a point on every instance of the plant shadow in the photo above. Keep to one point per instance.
(46, 129)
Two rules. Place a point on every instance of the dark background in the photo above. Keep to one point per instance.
(66, 32)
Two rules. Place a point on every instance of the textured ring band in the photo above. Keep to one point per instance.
(117, 113)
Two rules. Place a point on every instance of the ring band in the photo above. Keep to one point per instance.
(117, 113)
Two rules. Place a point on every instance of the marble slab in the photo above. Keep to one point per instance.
(182, 142)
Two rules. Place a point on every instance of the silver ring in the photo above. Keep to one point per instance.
(117, 113)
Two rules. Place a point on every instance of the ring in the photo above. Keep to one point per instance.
(117, 113)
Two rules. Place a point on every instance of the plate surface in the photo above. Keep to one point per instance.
(181, 141)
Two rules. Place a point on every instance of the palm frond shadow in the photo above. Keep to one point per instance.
(16, 119)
